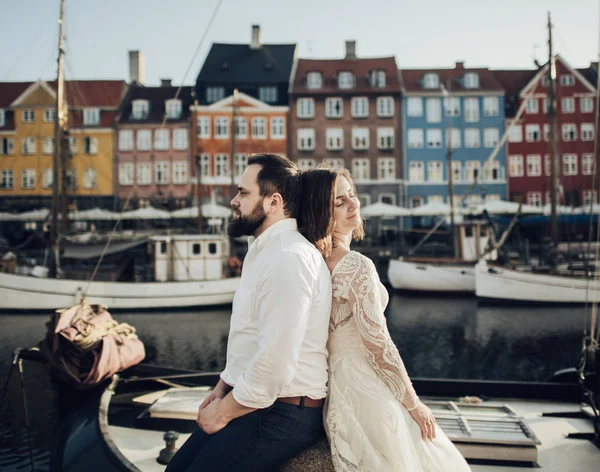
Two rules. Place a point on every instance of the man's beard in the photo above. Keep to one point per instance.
(247, 225)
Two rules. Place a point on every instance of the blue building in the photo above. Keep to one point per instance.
(460, 107)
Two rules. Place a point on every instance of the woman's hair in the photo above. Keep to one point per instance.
(318, 202)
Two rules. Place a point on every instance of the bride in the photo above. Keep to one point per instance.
(373, 417)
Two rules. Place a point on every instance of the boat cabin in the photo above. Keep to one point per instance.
(474, 237)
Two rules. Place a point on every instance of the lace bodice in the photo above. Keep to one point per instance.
(359, 300)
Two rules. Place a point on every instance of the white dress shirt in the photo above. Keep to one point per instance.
(280, 320)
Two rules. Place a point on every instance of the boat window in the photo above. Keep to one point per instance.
(468, 232)
(163, 247)
(196, 248)
(212, 248)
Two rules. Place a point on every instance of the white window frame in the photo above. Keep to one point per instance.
(268, 94)
(471, 80)
(434, 138)
(173, 109)
(47, 178)
(435, 171)
(278, 127)
(144, 173)
(533, 133)
(491, 136)
(306, 139)
(471, 111)
(140, 109)
(515, 134)
(144, 140)
(473, 170)
(567, 105)
(125, 140)
(416, 171)
(7, 146)
(49, 115)
(416, 202)
(314, 80)
(434, 110)
(305, 108)
(333, 103)
(431, 81)
(454, 138)
(589, 197)
(532, 107)
(359, 107)
(534, 165)
(415, 138)
(345, 80)
(534, 199)
(28, 179)
(203, 127)
(360, 138)
(334, 139)
(259, 127)
(492, 172)
(305, 164)
(588, 163)
(126, 174)
(205, 166)
(414, 107)
(515, 166)
(491, 106)
(587, 131)
(214, 94)
(386, 169)
(91, 116)
(335, 162)
(221, 127)
(361, 169)
(48, 145)
(90, 145)
(569, 164)
(28, 116)
(161, 139)
(452, 106)
(90, 178)
(470, 141)
(385, 107)
(180, 172)
(586, 104)
(7, 179)
(161, 173)
(240, 162)
(569, 132)
(386, 138)
(377, 78)
(567, 80)
(28, 146)
(180, 139)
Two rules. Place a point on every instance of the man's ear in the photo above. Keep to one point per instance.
(276, 202)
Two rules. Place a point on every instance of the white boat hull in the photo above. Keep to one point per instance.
(502, 284)
(431, 277)
(19, 292)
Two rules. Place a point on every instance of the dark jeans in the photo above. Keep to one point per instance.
(259, 441)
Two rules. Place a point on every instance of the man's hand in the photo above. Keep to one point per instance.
(210, 418)
(220, 390)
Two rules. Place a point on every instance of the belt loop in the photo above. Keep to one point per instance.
(301, 406)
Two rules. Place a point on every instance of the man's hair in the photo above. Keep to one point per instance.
(279, 175)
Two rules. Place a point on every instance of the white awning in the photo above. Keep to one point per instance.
(498, 207)
(93, 214)
(209, 210)
(383, 210)
(148, 213)
(434, 209)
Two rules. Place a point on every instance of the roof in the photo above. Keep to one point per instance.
(93, 93)
(157, 97)
(9, 91)
(513, 81)
(359, 67)
(236, 64)
(450, 78)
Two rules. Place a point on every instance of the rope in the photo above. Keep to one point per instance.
(90, 333)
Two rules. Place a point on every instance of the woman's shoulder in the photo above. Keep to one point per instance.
(352, 262)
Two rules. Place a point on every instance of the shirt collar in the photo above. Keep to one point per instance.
(287, 224)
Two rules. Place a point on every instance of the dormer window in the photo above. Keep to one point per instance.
(267, 94)
(471, 80)
(91, 116)
(214, 94)
(140, 109)
(377, 78)
(2, 118)
(173, 109)
(431, 81)
(314, 80)
(346, 80)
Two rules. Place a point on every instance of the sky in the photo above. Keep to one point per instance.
(505, 34)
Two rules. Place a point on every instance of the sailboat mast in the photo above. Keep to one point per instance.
(554, 170)
(233, 138)
(59, 128)
(446, 94)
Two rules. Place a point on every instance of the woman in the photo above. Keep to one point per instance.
(373, 418)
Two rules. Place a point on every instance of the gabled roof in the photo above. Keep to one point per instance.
(243, 101)
(237, 64)
(79, 93)
(451, 79)
(10, 91)
(156, 96)
(359, 67)
(513, 82)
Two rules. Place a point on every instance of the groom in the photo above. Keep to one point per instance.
(267, 406)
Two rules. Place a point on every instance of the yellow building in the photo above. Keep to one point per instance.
(27, 143)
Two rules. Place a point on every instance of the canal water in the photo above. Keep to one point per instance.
(443, 337)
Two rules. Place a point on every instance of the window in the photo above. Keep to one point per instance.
(241, 127)
(126, 174)
(239, 164)
(144, 140)
(388, 198)
(144, 174)
(491, 106)
(214, 94)
(587, 164)
(126, 140)
(377, 78)
(534, 198)
(47, 178)
(586, 104)
(259, 128)
(334, 108)
(473, 168)
(471, 80)
(267, 94)
(492, 172)
(434, 138)
(452, 106)
(547, 163)
(305, 108)
(546, 105)
(49, 115)
(515, 134)
(587, 132)
(568, 105)
(385, 138)
(6, 179)
(278, 128)
(91, 116)
(334, 139)
(414, 106)
(471, 110)
(140, 109)
(305, 164)
(71, 179)
(180, 139)
(360, 138)
(306, 139)
(361, 168)
(546, 132)
(415, 138)
(314, 80)
(453, 138)
(7, 146)
(416, 171)
(472, 138)
(515, 166)
(364, 199)
(203, 127)
(28, 145)
(336, 163)
(360, 107)
(2, 118)
(532, 133)
(73, 145)
(545, 81)
(567, 80)
(386, 168)
(205, 165)
(434, 110)
(173, 109)
(161, 176)
(28, 179)
(416, 202)
(569, 164)
(435, 199)
(221, 127)
(569, 132)
(590, 197)
(534, 165)
(161, 139)
(48, 146)
(28, 116)
(431, 81)
(346, 80)
(180, 170)
(435, 171)
(90, 179)
(532, 106)
(491, 136)
(385, 107)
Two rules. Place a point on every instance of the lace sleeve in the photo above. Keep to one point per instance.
(365, 298)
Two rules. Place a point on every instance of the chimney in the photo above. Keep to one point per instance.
(351, 50)
(137, 67)
(255, 40)
(460, 65)
(165, 82)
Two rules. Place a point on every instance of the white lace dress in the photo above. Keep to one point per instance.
(366, 417)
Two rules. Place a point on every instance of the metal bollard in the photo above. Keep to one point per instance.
(169, 451)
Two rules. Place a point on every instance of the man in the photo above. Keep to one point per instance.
(267, 406)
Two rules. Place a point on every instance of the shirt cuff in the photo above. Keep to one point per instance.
(250, 397)
(227, 379)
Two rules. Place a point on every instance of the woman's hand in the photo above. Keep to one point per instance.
(425, 419)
